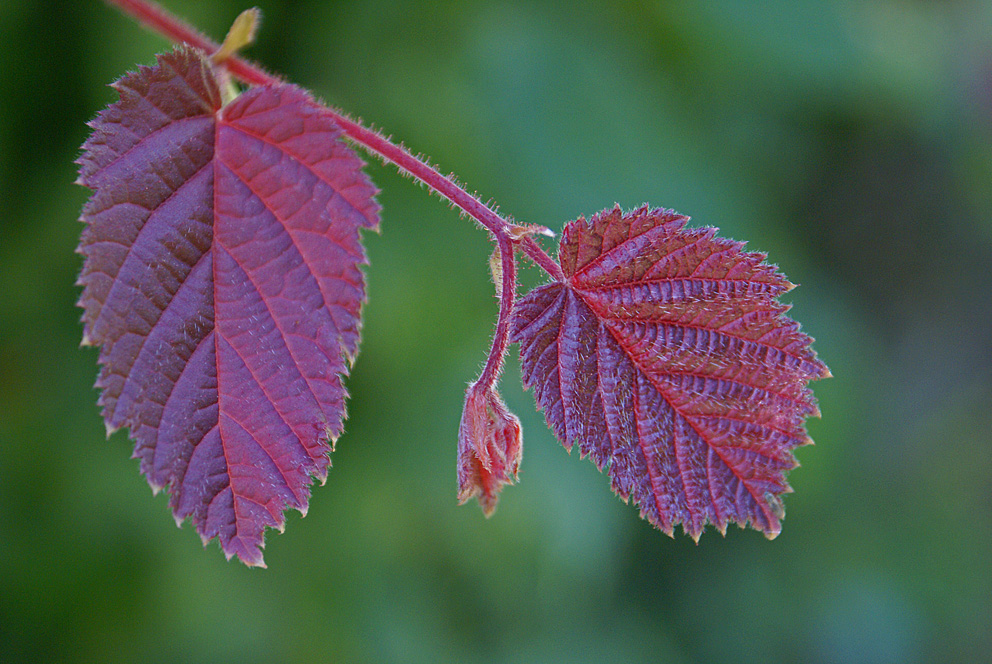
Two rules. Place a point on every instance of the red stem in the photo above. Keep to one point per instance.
(529, 246)
(154, 17)
(508, 295)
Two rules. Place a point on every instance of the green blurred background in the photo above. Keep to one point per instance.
(850, 140)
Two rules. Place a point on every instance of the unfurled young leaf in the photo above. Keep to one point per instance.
(665, 356)
(222, 282)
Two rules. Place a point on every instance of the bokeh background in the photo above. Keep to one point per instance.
(850, 140)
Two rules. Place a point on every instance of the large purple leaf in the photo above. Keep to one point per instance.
(665, 355)
(222, 281)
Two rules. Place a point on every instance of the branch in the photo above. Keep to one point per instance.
(157, 19)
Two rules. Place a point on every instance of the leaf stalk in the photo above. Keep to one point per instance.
(156, 18)
(507, 235)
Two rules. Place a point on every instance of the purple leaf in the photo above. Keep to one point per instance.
(222, 282)
(666, 356)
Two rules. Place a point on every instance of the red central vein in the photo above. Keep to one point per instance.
(604, 316)
(286, 228)
(285, 340)
(661, 280)
(307, 165)
(688, 420)
(220, 389)
(259, 383)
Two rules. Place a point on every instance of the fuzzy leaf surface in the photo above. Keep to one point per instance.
(222, 280)
(665, 356)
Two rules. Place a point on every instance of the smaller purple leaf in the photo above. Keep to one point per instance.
(665, 355)
(490, 446)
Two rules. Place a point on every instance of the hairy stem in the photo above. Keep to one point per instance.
(157, 19)
(540, 258)
(508, 295)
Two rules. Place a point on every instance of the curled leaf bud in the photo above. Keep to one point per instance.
(490, 445)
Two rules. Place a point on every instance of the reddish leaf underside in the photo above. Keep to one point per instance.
(666, 356)
(222, 281)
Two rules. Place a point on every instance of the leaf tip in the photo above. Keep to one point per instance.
(249, 554)
(253, 562)
(774, 514)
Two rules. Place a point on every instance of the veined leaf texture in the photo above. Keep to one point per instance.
(222, 281)
(665, 356)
